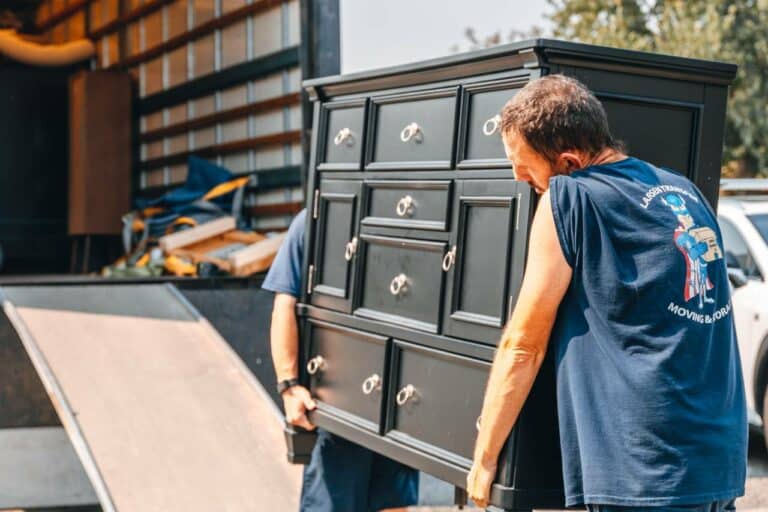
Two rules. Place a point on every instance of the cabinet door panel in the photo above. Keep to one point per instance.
(439, 415)
(336, 226)
(488, 244)
(346, 368)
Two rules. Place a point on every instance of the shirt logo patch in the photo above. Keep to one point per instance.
(698, 245)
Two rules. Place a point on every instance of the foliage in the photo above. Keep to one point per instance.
(734, 31)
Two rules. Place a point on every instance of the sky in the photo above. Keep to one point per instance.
(377, 33)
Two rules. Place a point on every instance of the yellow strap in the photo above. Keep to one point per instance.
(143, 260)
(226, 187)
(152, 210)
(179, 267)
(188, 221)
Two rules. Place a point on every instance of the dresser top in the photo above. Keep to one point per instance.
(532, 53)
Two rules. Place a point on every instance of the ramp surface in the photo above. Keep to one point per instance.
(162, 413)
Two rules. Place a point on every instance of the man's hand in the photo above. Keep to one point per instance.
(297, 401)
(479, 483)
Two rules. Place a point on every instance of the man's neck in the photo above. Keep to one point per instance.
(606, 156)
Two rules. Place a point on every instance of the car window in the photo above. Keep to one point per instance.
(736, 250)
(761, 223)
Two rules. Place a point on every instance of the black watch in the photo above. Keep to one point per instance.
(285, 384)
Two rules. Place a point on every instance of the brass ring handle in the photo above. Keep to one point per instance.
(491, 126)
(315, 364)
(345, 134)
(403, 207)
(398, 284)
(449, 259)
(405, 394)
(350, 249)
(371, 383)
(411, 131)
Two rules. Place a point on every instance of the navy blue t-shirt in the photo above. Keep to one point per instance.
(649, 385)
(284, 275)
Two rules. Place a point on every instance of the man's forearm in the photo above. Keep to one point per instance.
(284, 338)
(514, 370)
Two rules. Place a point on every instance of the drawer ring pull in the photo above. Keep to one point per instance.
(398, 284)
(371, 383)
(477, 423)
(449, 259)
(404, 205)
(411, 131)
(345, 134)
(315, 364)
(350, 249)
(491, 126)
(405, 394)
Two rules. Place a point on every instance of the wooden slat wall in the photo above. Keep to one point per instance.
(177, 48)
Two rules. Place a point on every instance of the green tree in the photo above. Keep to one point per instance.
(734, 31)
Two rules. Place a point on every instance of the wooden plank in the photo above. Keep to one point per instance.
(196, 234)
(67, 12)
(224, 149)
(170, 415)
(139, 12)
(256, 257)
(100, 159)
(254, 69)
(201, 30)
(209, 250)
(218, 117)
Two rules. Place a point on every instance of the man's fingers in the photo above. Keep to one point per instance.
(308, 402)
(304, 423)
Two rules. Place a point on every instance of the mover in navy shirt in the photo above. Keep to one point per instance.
(626, 284)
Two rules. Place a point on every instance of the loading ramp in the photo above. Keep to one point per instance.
(160, 410)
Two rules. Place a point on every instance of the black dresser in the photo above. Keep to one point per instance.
(417, 240)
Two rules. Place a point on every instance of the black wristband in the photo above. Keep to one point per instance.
(285, 384)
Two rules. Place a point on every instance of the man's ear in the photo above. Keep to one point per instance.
(570, 161)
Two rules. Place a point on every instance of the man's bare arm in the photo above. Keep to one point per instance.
(522, 348)
(284, 337)
(284, 341)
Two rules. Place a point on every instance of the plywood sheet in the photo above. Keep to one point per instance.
(162, 413)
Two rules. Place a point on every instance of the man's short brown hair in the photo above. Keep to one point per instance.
(557, 113)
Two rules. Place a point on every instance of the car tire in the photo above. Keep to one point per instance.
(765, 417)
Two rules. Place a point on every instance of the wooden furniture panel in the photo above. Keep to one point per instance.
(100, 152)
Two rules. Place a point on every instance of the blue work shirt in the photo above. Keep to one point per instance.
(284, 275)
(649, 384)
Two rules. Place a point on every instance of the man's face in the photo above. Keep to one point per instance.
(529, 166)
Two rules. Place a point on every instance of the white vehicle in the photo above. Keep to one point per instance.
(743, 219)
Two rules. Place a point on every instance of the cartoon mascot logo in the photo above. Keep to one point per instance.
(699, 247)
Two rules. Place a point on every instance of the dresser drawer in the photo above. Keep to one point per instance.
(401, 281)
(435, 400)
(412, 131)
(480, 144)
(346, 369)
(343, 137)
(407, 204)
